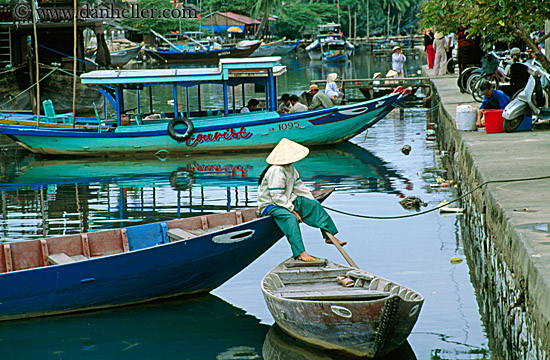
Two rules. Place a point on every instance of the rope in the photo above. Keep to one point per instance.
(27, 89)
(439, 206)
(66, 55)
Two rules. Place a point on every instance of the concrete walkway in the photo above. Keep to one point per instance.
(513, 211)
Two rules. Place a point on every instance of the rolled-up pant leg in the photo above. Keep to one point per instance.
(288, 223)
(313, 214)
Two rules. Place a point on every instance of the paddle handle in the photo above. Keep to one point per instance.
(341, 249)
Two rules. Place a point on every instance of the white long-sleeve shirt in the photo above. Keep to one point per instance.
(398, 61)
(281, 185)
(331, 90)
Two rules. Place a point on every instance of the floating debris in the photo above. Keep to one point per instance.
(406, 149)
(448, 209)
(456, 260)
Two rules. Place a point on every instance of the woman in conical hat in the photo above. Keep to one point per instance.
(285, 197)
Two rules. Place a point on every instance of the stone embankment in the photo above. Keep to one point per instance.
(506, 225)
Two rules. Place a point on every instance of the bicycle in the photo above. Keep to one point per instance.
(493, 70)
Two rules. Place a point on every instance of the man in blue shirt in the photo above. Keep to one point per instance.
(493, 99)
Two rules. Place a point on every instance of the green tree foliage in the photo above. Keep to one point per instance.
(303, 18)
(494, 20)
(296, 18)
(236, 6)
(161, 25)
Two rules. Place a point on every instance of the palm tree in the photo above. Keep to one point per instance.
(265, 7)
(400, 5)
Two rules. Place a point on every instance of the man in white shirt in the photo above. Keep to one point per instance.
(252, 106)
(296, 105)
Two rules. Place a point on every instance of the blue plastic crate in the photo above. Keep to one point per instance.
(526, 124)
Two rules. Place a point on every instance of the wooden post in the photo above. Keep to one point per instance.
(75, 42)
(355, 27)
(349, 22)
(368, 23)
(37, 64)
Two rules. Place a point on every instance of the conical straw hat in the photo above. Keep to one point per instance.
(287, 152)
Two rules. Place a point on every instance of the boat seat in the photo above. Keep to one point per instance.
(179, 234)
(59, 259)
(343, 294)
(52, 117)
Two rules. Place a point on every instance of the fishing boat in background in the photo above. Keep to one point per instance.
(201, 51)
(201, 130)
(135, 264)
(368, 316)
(268, 49)
(123, 57)
(330, 45)
(286, 49)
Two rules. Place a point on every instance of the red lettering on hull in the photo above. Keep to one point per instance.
(229, 134)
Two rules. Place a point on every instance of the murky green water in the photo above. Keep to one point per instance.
(52, 197)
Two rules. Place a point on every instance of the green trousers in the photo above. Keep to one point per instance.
(311, 212)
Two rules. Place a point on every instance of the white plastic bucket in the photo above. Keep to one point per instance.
(466, 117)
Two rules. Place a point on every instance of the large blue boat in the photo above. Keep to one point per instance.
(187, 130)
(330, 45)
(139, 263)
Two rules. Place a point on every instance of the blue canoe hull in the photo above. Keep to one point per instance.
(152, 268)
(237, 132)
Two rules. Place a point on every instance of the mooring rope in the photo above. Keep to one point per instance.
(27, 89)
(439, 206)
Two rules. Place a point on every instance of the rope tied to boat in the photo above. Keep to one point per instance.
(440, 205)
(29, 88)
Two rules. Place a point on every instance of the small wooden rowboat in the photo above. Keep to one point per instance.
(135, 264)
(370, 318)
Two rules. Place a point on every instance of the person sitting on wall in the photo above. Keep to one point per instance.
(331, 89)
(296, 105)
(493, 99)
(284, 106)
(251, 106)
(320, 99)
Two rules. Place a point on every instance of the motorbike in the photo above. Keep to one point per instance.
(531, 101)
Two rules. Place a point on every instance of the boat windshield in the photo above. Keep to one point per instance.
(235, 80)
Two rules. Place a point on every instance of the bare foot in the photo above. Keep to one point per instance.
(342, 243)
(305, 257)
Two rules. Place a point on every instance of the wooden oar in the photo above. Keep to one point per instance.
(341, 249)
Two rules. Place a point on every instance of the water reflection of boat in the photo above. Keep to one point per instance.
(344, 166)
(278, 345)
(204, 327)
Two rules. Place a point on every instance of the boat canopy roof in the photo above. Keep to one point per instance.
(260, 67)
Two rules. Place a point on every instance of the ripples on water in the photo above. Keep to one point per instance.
(53, 197)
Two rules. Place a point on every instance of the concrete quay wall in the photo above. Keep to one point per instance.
(507, 224)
